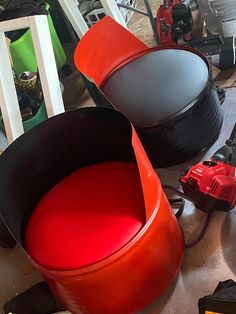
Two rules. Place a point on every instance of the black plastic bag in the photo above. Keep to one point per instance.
(21, 8)
(222, 300)
(36, 300)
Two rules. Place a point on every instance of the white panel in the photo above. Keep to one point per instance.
(8, 98)
(46, 65)
(112, 10)
(70, 7)
(14, 24)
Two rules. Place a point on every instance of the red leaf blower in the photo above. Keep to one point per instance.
(174, 22)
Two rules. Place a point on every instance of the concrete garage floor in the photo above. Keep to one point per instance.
(214, 258)
(210, 261)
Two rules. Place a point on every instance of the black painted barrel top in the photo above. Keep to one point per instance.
(169, 96)
(157, 85)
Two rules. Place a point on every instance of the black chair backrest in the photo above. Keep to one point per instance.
(44, 155)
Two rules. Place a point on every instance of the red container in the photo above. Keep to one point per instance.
(135, 274)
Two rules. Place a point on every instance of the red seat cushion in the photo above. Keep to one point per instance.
(86, 217)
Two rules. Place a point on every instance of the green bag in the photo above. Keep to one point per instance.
(23, 55)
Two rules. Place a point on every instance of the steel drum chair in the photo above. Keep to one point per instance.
(80, 196)
(166, 92)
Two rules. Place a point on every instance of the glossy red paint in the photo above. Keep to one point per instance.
(88, 216)
(97, 65)
(136, 273)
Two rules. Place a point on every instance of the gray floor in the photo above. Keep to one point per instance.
(209, 262)
(214, 258)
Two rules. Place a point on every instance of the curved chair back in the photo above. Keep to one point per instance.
(139, 271)
(43, 156)
(111, 38)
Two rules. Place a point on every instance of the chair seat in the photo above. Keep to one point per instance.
(87, 216)
(157, 86)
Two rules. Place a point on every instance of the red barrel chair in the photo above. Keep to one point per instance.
(81, 198)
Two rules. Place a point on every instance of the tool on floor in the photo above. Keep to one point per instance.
(211, 184)
(221, 301)
(174, 22)
(174, 26)
(219, 51)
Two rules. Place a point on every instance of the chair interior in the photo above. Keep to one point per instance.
(87, 216)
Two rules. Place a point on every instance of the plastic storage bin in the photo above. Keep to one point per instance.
(40, 116)
(23, 55)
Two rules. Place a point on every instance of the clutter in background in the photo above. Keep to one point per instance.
(23, 60)
(30, 98)
(93, 10)
(174, 22)
(29, 94)
(21, 46)
(220, 16)
(220, 19)
(175, 25)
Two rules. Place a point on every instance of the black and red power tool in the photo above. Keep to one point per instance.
(211, 184)
(174, 22)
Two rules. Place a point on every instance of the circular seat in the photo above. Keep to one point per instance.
(168, 95)
(157, 85)
(87, 216)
